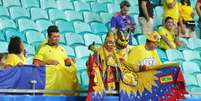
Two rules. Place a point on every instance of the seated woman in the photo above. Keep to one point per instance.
(16, 52)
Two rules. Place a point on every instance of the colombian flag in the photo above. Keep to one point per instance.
(47, 77)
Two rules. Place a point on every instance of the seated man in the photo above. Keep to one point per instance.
(169, 38)
(62, 72)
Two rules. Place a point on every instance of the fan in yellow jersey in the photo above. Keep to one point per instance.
(187, 23)
(16, 54)
(171, 9)
(146, 55)
(169, 40)
(60, 71)
(138, 59)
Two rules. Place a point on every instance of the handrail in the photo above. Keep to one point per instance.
(33, 91)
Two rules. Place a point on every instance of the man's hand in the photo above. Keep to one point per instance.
(52, 62)
(67, 62)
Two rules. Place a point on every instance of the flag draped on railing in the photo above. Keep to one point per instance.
(20, 77)
(45, 78)
(161, 82)
(165, 83)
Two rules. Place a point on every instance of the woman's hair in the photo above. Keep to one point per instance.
(15, 45)
(186, 1)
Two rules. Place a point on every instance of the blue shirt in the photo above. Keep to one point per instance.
(119, 22)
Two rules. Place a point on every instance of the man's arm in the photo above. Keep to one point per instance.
(144, 9)
(197, 7)
(167, 41)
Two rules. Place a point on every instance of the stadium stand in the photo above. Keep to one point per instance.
(81, 22)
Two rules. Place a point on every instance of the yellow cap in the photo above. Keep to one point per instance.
(153, 36)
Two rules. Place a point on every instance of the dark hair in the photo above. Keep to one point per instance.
(167, 18)
(51, 29)
(124, 3)
(15, 45)
(188, 2)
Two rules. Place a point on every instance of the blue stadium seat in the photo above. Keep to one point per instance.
(82, 51)
(26, 24)
(7, 24)
(91, 17)
(194, 96)
(81, 27)
(90, 38)
(81, 6)
(13, 32)
(134, 10)
(84, 80)
(134, 41)
(4, 12)
(99, 7)
(55, 14)
(139, 28)
(158, 16)
(104, 1)
(194, 43)
(48, 4)
(18, 12)
(99, 28)
(70, 51)
(141, 39)
(174, 55)
(38, 13)
(65, 5)
(190, 55)
(1, 3)
(64, 26)
(42, 25)
(190, 68)
(62, 39)
(30, 59)
(88, 1)
(185, 44)
(198, 76)
(73, 39)
(30, 51)
(30, 3)
(2, 36)
(106, 17)
(190, 81)
(10, 3)
(74, 16)
(103, 37)
(133, 3)
(4, 46)
(162, 55)
(113, 8)
(34, 37)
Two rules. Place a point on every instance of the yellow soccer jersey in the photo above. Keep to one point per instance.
(169, 35)
(48, 52)
(140, 56)
(186, 12)
(13, 60)
(173, 12)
